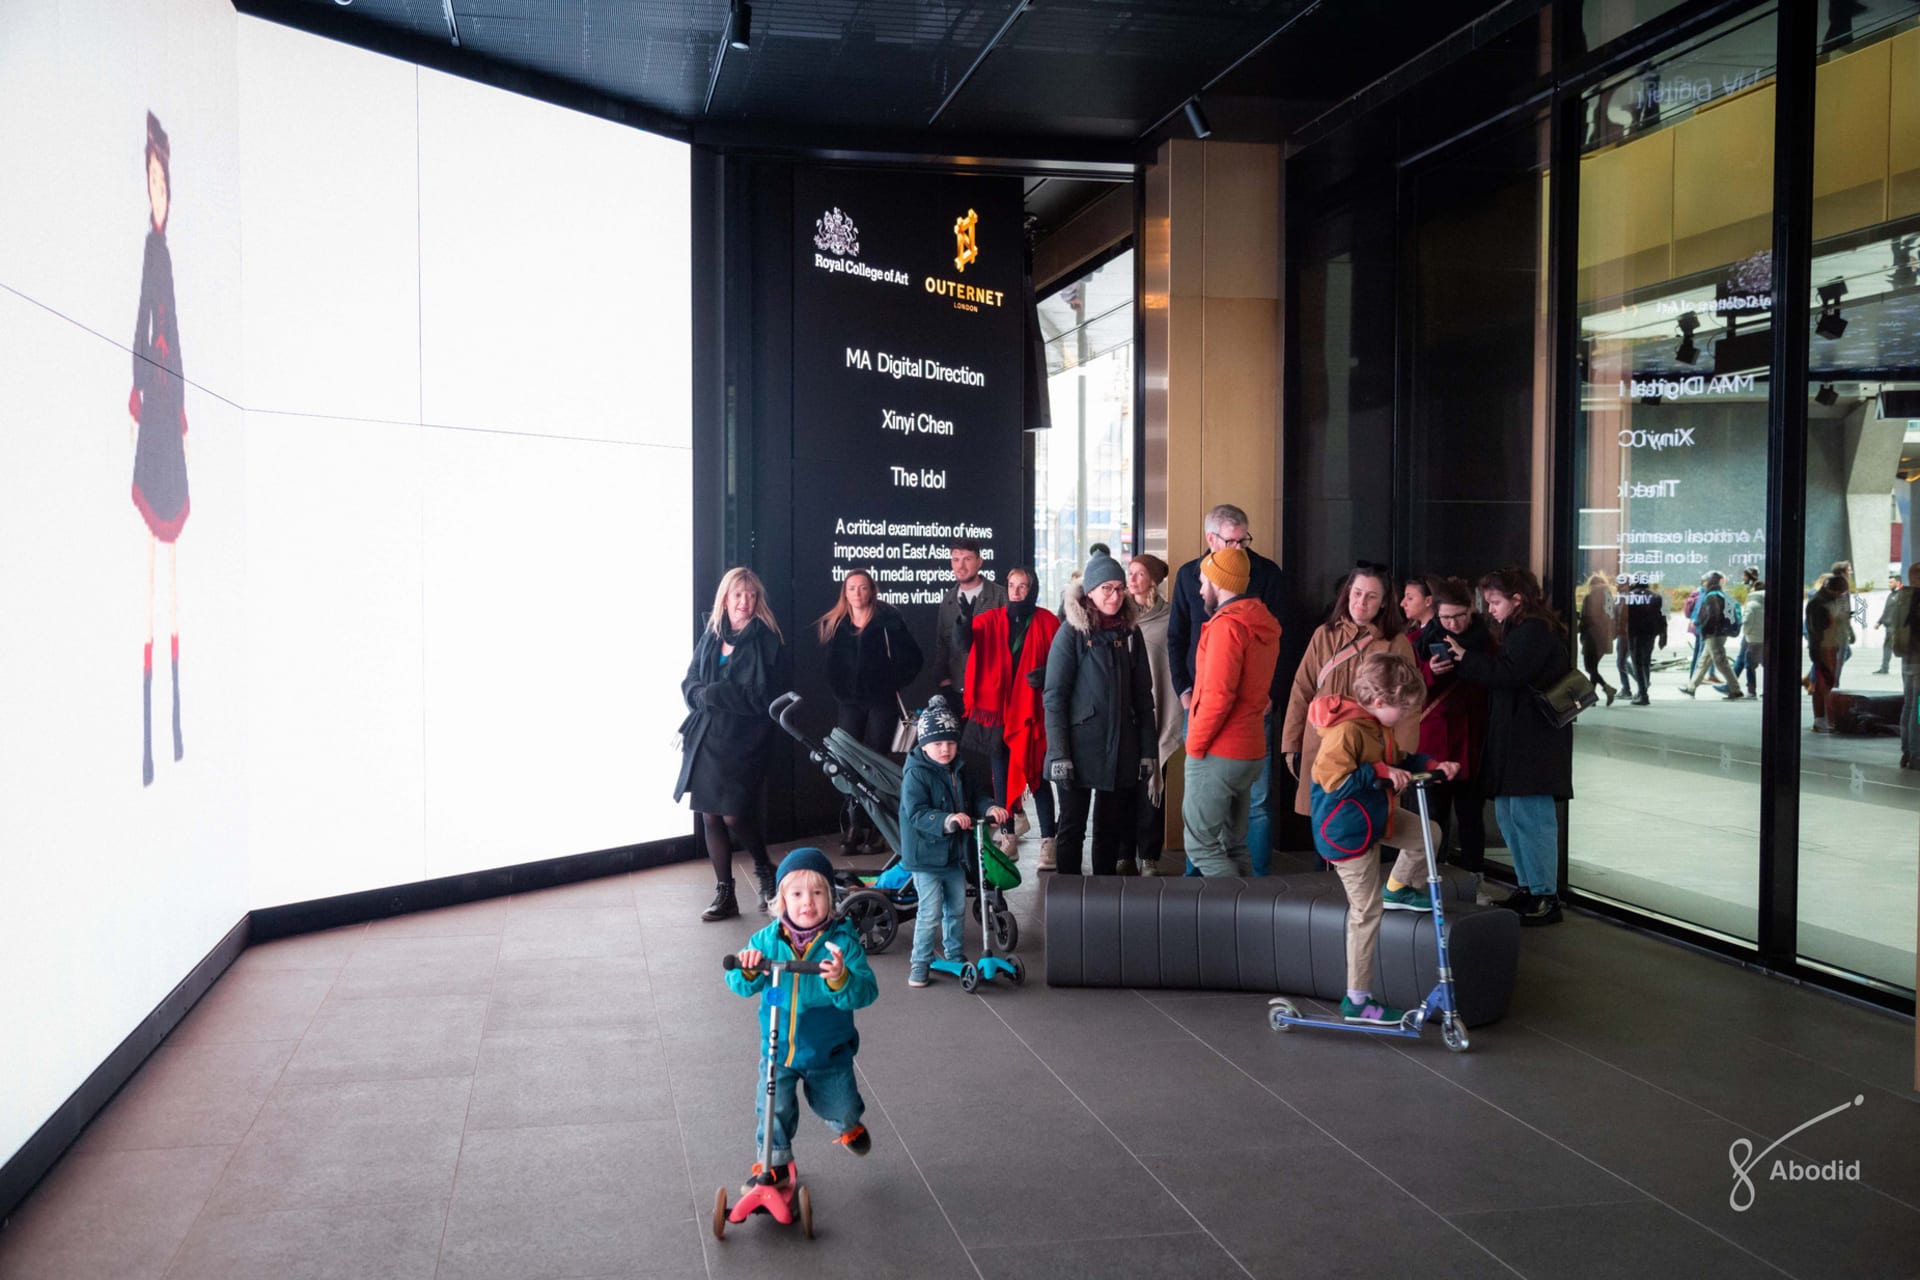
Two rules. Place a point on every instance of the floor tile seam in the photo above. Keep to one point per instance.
(279, 1079)
(1620, 1177)
(466, 1116)
(1715, 1115)
(1121, 1143)
(919, 1172)
(673, 1094)
(1378, 1172)
(1898, 1095)
(1199, 1233)
(1589, 1203)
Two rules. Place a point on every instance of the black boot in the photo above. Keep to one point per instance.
(724, 906)
(769, 890)
(179, 747)
(146, 726)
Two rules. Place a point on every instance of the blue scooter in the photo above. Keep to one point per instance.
(1284, 1015)
(971, 972)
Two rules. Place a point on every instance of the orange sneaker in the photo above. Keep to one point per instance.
(856, 1140)
(782, 1175)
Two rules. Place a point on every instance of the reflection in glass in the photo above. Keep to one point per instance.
(1859, 794)
(1083, 466)
(1674, 290)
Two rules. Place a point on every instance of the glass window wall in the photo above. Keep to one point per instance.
(1674, 280)
(1859, 794)
(1083, 474)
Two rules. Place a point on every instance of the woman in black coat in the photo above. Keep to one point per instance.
(734, 674)
(871, 657)
(1528, 763)
(1101, 732)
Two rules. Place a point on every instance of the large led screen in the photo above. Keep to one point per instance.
(344, 491)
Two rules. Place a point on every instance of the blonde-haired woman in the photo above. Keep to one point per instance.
(871, 657)
(735, 669)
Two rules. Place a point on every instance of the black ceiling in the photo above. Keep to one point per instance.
(1074, 79)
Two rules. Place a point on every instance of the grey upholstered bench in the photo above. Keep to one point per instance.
(1280, 934)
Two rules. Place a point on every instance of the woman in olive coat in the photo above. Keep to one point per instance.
(736, 670)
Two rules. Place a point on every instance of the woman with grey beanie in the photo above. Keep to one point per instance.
(1102, 736)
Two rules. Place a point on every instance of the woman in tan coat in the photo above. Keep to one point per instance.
(1365, 619)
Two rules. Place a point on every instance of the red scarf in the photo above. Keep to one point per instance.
(998, 695)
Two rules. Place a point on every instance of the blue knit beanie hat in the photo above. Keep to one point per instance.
(938, 724)
(805, 858)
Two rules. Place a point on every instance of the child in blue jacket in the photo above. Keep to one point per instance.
(817, 1035)
(1354, 814)
(937, 811)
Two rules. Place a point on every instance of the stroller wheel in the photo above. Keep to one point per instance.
(874, 918)
(1006, 931)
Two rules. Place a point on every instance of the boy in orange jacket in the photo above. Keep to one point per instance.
(1354, 813)
(1226, 725)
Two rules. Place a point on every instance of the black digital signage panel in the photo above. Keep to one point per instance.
(908, 366)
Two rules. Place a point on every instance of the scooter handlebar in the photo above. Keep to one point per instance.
(731, 962)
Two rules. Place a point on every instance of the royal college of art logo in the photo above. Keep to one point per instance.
(966, 240)
(834, 232)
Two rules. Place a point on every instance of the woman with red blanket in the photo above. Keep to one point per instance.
(1006, 669)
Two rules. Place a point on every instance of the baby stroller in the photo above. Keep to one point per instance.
(877, 902)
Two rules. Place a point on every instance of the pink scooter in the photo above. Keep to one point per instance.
(764, 1194)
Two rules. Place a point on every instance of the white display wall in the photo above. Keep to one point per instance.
(434, 340)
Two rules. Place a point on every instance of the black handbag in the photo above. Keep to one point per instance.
(1562, 701)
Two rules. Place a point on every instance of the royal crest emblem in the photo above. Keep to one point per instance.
(834, 232)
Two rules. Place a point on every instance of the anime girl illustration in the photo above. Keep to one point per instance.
(157, 407)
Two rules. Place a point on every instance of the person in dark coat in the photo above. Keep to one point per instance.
(1646, 627)
(1528, 763)
(158, 409)
(1101, 732)
(871, 657)
(736, 670)
(1453, 723)
(1829, 631)
(1226, 526)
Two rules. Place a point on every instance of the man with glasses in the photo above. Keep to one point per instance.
(1227, 526)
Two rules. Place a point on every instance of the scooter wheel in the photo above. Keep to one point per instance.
(1006, 931)
(1453, 1035)
(1278, 1014)
(1016, 970)
(806, 1213)
(720, 1214)
(1411, 1020)
(969, 976)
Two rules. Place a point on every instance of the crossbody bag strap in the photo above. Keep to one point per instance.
(1357, 645)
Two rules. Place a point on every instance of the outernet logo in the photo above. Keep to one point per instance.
(1740, 1156)
(966, 240)
(834, 231)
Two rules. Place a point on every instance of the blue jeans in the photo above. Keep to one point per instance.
(943, 905)
(831, 1093)
(1533, 837)
(1260, 815)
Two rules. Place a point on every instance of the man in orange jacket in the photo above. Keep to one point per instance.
(1226, 735)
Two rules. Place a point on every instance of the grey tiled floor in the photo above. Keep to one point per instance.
(553, 1085)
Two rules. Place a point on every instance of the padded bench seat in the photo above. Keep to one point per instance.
(1285, 935)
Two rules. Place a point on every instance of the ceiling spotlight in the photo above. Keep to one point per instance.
(1196, 121)
(739, 24)
(1826, 396)
(1832, 291)
(1687, 353)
